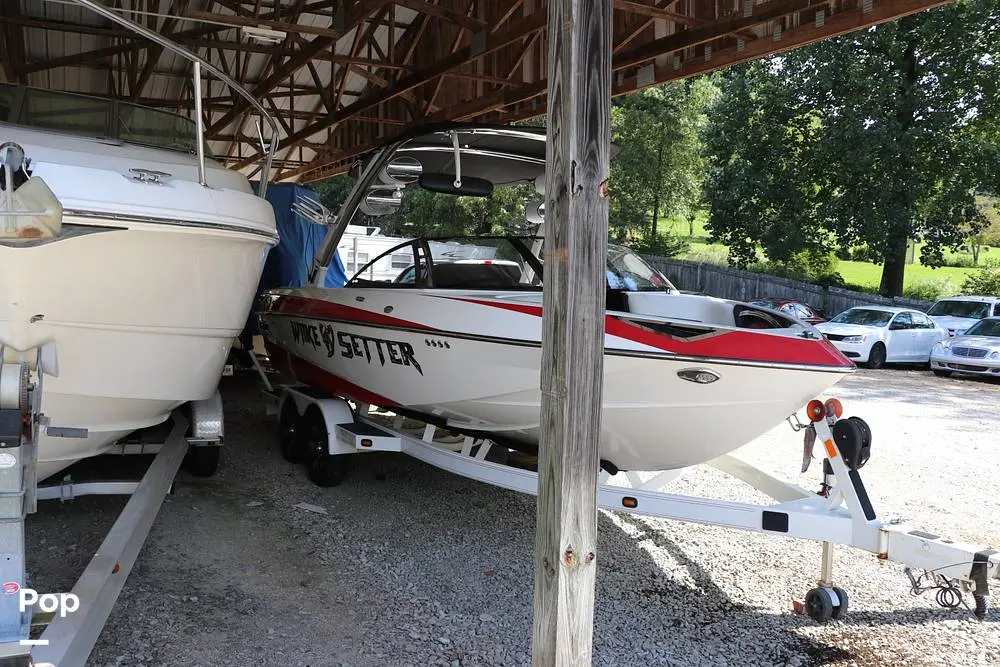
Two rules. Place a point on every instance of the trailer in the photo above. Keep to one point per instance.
(322, 431)
(190, 438)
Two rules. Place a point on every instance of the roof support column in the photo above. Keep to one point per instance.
(576, 231)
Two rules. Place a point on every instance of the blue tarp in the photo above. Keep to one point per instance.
(288, 263)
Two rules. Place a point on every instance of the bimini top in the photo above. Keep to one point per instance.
(500, 154)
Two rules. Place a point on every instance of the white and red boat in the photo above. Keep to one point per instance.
(455, 339)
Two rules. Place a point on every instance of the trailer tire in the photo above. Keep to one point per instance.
(201, 461)
(289, 436)
(324, 468)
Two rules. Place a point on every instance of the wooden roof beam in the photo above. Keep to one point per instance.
(656, 12)
(317, 45)
(237, 22)
(710, 32)
(517, 30)
(458, 18)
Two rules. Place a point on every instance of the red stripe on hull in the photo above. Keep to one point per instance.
(314, 376)
(305, 307)
(733, 345)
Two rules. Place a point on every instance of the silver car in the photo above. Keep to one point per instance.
(977, 351)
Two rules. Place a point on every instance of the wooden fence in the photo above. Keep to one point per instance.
(726, 283)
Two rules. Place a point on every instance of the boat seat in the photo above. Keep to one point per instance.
(616, 299)
(476, 276)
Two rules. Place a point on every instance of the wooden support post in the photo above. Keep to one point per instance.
(576, 231)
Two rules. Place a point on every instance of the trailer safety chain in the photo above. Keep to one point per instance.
(948, 595)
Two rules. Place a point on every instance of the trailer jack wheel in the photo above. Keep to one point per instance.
(840, 611)
(820, 607)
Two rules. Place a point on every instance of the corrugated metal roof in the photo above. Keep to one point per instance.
(466, 59)
(58, 30)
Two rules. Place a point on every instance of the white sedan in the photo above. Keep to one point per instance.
(876, 335)
(977, 351)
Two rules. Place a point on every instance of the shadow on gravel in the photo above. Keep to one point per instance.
(764, 629)
(403, 564)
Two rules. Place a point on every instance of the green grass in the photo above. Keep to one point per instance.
(862, 274)
(870, 275)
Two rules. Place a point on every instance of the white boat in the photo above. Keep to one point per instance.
(121, 274)
(457, 341)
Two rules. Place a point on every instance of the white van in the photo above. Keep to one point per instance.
(958, 313)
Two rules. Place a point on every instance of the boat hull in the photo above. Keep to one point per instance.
(652, 419)
(133, 322)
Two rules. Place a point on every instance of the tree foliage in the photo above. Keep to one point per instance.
(426, 213)
(660, 167)
(985, 281)
(876, 137)
(989, 234)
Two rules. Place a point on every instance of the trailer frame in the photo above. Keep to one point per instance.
(319, 429)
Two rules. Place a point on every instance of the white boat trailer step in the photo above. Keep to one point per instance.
(321, 429)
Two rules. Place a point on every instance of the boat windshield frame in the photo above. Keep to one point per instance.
(113, 111)
(431, 250)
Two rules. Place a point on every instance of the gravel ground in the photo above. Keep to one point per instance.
(412, 566)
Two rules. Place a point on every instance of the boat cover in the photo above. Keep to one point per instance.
(288, 262)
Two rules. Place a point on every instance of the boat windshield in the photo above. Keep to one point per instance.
(949, 308)
(628, 271)
(864, 316)
(984, 328)
(97, 117)
(496, 262)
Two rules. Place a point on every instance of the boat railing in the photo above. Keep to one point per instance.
(267, 148)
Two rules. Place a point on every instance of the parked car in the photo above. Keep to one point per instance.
(977, 351)
(958, 313)
(876, 335)
(796, 309)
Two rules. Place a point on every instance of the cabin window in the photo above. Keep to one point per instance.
(401, 261)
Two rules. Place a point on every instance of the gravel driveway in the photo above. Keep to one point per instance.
(412, 566)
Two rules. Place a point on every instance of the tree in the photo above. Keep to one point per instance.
(876, 137)
(426, 213)
(659, 170)
(989, 235)
(985, 281)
